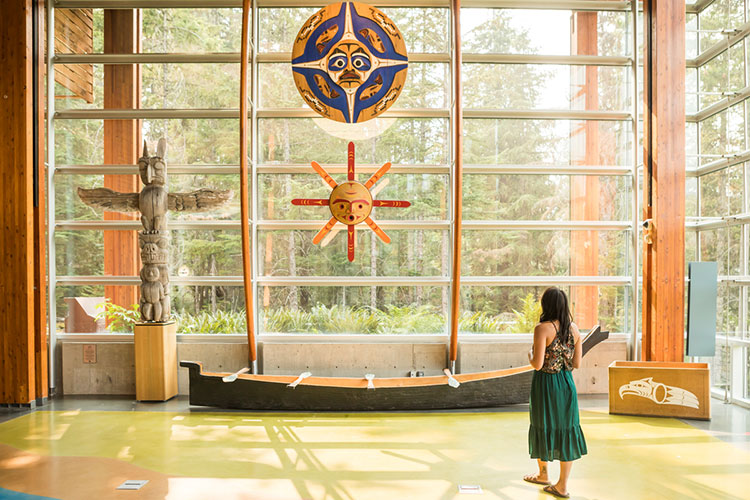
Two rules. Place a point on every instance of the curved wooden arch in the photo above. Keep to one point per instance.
(458, 187)
(244, 209)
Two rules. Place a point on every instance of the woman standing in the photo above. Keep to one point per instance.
(555, 431)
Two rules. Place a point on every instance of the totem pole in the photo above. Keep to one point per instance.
(153, 202)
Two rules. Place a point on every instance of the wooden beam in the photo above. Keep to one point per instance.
(17, 354)
(40, 215)
(585, 190)
(121, 147)
(664, 180)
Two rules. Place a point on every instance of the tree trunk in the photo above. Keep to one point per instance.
(293, 291)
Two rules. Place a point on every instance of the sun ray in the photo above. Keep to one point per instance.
(379, 187)
(325, 175)
(381, 234)
(350, 243)
(304, 202)
(350, 163)
(330, 236)
(324, 230)
(390, 203)
(377, 175)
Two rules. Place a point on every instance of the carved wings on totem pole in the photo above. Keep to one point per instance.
(200, 200)
(153, 172)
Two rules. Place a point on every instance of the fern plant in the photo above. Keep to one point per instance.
(528, 316)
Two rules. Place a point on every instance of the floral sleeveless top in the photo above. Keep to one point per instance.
(559, 355)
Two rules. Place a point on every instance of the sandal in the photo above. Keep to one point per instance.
(552, 491)
(533, 478)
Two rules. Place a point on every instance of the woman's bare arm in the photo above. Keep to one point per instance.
(536, 355)
(578, 353)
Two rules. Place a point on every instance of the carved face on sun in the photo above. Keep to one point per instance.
(349, 62)
(350, 203)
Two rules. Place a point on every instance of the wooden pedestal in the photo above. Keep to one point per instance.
(662, 389)
(155, 361)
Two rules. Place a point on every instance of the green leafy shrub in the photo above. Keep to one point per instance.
(207, 322)
(119, 319)
(337, 319)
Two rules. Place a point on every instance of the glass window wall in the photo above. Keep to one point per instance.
(549, 173)
(717, 180)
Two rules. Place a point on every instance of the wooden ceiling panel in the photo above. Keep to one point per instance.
(74, 34)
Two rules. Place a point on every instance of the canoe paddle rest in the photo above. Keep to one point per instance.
(233, 377)
(302, 376)
(451, 380)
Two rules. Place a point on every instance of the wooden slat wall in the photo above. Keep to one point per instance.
(17, 372)
(664, 180)
(585, 190)
(121, 144)
(74, 34)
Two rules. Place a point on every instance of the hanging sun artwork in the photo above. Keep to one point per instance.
(349, 62)
(350, 202)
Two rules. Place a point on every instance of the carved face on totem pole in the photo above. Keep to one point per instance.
(349, 62)
(152, 169)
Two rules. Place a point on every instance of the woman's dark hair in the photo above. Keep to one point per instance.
(555, 307)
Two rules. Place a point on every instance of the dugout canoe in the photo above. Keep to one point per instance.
(272, 392)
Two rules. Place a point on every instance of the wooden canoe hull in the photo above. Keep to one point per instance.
(269, 392)
(258, 394)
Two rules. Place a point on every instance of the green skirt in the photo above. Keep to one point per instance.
(555, 431)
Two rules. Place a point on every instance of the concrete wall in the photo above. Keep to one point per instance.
(353, 360)
(114, 372)
(591, 378)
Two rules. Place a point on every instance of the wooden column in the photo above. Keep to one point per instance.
(40, 214)
(664, 179)
(584, 190)
(17, 351)
(121, 147)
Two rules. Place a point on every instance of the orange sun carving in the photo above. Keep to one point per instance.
(351, 202)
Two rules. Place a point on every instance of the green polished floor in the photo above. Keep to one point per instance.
(84, 454)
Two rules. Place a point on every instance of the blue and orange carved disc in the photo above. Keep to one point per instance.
(350, 202)
(349, 62)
